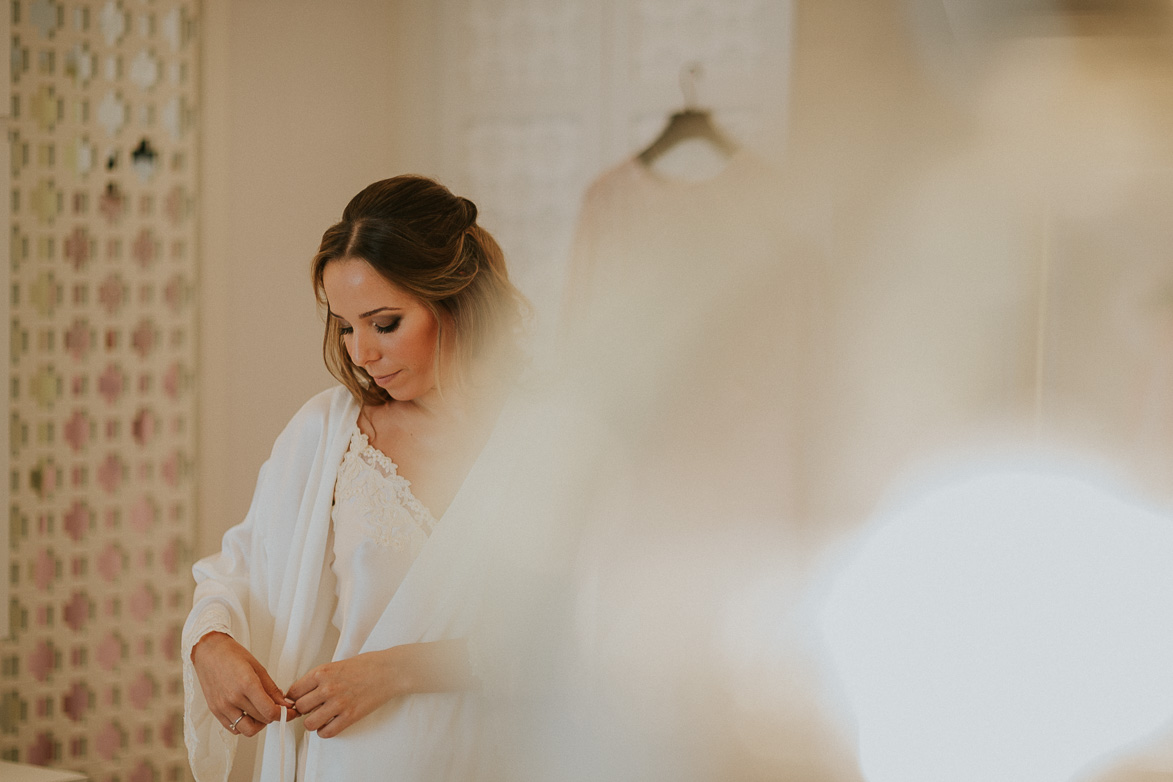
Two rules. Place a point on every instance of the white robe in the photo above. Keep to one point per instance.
(273, 578)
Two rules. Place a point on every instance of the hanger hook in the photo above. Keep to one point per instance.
(690, 72)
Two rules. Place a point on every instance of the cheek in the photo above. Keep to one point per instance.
(423, 349)
(423, 344)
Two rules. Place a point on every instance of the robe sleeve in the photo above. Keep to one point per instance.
(221, 598)
(236, 588)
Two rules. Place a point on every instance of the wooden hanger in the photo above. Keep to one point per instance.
(688, 123)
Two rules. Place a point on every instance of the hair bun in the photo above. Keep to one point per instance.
(470, 212)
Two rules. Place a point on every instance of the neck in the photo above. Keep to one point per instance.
(434, 404)
(461, 400)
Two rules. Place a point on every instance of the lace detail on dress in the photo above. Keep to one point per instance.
(371, 489)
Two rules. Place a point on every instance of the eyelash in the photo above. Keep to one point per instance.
(346, 330)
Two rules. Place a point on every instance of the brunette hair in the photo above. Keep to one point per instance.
(419, 236)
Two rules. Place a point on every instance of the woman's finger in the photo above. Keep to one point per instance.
(273, 692)
(320, 717)
(307, 703)
(248, 727)
(233, 719)
(303, 685)
(258, 704)
(333, 727)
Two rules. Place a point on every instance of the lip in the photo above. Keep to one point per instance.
(384, 379)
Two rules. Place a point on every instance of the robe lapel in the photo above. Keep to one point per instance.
(437, 596)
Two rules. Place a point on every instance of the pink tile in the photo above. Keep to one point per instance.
(143, 515)
(77, 248)
(109, 652)
(172, 380)
(141, 691)
(76, 701)
(112, 203)
(170, 556)
(171, 469)
(142, 602)
(112, 293)
(44, 478)
(169, 731)
(143, 339)
(175, 293)
(145, 248)
(42, 660)
(143, 772)
(110, 383)
(40, 752)
(44, 569)
(170, 643)
(109, 740)
(77, 430)
(110, 562)
(110, 473)
(78, 340)
(175, 205)
(77, 611)
(144, 426)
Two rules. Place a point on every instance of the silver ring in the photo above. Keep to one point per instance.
(232, 727)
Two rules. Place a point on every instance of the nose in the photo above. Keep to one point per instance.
(363, 350)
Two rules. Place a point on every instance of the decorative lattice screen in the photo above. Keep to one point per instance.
(100, 399)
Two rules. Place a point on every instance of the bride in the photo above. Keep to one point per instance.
(347, 596)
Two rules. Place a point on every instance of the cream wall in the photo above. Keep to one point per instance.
(303, 104)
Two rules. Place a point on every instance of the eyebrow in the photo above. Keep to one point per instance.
(369, 314)
(380, 309)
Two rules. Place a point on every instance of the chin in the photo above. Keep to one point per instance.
(398, 393)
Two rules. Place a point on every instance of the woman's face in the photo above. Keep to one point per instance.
(387, 331)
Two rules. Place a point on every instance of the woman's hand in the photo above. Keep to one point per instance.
(334, 696)
(234, 683)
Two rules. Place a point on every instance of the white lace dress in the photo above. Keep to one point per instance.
(379, 527)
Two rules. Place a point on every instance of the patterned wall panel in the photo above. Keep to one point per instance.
(520, 119)
(100, 409)
(5, 270)
(731, 35)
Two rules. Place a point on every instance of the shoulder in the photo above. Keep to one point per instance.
(325, 404)
(318, 419)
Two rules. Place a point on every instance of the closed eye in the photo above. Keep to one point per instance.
(382, 328)
(389, 327)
